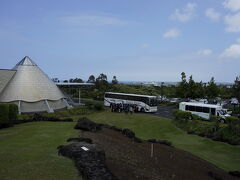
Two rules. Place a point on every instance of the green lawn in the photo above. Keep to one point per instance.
(28, 151)
(148, 126)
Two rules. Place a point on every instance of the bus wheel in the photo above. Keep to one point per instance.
(222, 121)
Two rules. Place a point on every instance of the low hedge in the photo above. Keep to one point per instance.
(8, 113)
(94, 105)
(229, 132)
(182, 115)
(4, 114)
(233, 120)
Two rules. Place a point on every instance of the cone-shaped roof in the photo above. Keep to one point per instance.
(26, 61)
(30, 84)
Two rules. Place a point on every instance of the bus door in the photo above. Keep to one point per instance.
(213, 111)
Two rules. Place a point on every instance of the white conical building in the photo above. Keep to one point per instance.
(32, 90)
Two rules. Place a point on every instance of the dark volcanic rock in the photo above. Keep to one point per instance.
(87, 125)
(138, 140)
(214, 175)
(87, 140)
(89, 159)
(165, 142)
(128, 133)
(235, 173)
(152, 140)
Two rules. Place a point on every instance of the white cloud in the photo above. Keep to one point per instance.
(233, 5)
(145, 45)
(185, 14)
(205, 52)
(232, 51)
(212, 14)
(172, 33)
(232, 22)
(94, 20)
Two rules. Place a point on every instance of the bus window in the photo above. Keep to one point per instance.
(213, 111)
(186, 108)
(153, 102)
(192, 108)
(199, 109)
(206, 109)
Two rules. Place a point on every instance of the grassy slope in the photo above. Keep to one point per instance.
(148, 126)
(28, 151)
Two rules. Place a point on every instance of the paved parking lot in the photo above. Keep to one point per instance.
(166, 111)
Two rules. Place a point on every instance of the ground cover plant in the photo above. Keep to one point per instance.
(28, 151)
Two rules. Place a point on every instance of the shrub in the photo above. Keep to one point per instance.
(22, 117)
(13, 112)
(214, 118)
(196, 117)
(4, 114)
(89, 104)
(98, 106)
(8, 113)
(182, 115)
(232, 120)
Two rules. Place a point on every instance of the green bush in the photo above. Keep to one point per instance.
(24, 117)
(182, 115)
(214, 118)
(235, 110)
(4, 114)
(232, 120)
(13, 112)
(89, 104)
(98, 106)
(8, 113)
(196, 117)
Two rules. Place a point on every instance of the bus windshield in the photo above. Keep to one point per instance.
(152, 102)
(222, 112)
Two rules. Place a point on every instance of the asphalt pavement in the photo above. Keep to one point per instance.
(165, 111)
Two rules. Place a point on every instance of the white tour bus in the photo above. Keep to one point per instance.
(143, 102)
(204, 110)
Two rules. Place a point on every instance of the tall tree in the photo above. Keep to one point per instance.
(236, 88)
(76, 80)
(101, 82)
(212, 89)
(191, 88)
(91, 79)
(181, 90)
(200, 90)
(114, 80)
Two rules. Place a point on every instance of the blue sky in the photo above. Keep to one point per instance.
(133, 39)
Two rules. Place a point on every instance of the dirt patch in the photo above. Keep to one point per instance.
(129, 160)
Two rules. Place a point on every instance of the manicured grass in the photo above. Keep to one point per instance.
(29, 151)
(148, 126)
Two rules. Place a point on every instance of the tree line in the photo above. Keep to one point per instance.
(186, 88)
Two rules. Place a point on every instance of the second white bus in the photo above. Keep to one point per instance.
(204, 110)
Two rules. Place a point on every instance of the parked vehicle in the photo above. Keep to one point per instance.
(234, 101)
(144, 103)
(175, 100)
(204, 110)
